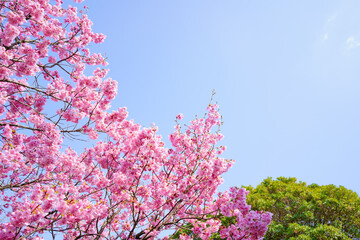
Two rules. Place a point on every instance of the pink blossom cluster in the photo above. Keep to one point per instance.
(249, 224)
(127, 185)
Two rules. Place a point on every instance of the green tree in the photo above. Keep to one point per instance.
(304, 211)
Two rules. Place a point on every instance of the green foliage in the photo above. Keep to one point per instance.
(307, 211)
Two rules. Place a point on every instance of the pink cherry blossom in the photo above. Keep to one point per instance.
(126, 184)
(179, 116)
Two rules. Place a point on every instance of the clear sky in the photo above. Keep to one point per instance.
(286, 73)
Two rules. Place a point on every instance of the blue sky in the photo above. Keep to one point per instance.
(286, 74)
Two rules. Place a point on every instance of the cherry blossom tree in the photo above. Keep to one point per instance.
(126, 185)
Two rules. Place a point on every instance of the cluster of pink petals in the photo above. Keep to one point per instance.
(127, 185)
(249, 224)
